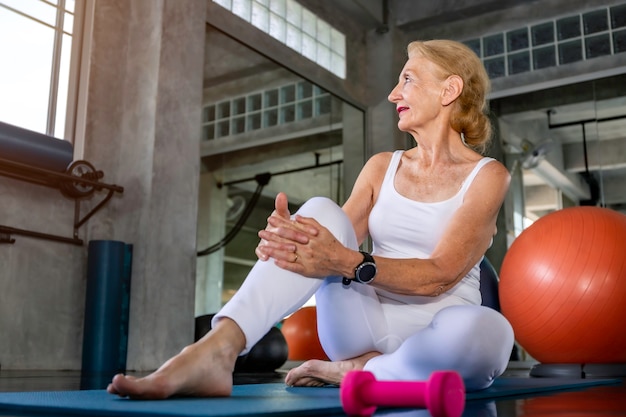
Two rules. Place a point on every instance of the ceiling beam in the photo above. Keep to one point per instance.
(570, 184)
(601, 155)
(414, 14)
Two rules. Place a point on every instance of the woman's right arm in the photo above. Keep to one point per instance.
(364, 193)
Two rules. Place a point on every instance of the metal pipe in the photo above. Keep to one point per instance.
(581, 122)
(14, 231)
(57, 175)
(289, 171)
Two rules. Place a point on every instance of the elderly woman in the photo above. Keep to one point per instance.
(410, 307)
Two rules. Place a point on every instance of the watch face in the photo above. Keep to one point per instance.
(366, 272)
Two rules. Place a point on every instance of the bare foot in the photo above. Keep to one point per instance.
(203, 369)
(316, 373)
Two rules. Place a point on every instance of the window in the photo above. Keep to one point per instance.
(296, 27)
(259, 110)
(37, 41)
(561, 41)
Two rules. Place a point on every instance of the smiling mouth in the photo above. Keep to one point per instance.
(401, 109)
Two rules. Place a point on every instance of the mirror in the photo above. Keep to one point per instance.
(265, 130)
(566, 146)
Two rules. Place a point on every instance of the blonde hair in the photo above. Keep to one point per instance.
(470, 112)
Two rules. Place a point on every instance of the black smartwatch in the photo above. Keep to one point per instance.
(365, 272)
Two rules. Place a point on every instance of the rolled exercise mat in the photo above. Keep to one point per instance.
(33, 148)
(107, 302)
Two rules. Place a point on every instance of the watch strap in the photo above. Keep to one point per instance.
(367, 258)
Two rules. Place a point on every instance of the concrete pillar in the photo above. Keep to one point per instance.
(354, 156)
(143, 131)
(507, 213)
(386, 55)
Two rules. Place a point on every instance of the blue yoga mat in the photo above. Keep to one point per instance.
(247, 400)
(107, 303)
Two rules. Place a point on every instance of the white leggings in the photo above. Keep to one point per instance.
(352, 320)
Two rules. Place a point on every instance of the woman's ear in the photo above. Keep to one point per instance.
(452, 89)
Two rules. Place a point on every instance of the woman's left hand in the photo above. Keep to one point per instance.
(279, 235)
(314, 251)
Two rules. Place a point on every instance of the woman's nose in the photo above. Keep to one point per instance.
(393, 96)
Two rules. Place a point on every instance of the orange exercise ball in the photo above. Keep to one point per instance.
(300, 331)
(563, 287)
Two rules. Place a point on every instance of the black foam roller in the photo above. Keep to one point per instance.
(33, 148)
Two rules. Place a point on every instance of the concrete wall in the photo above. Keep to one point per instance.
(142, 130)
(42, 283)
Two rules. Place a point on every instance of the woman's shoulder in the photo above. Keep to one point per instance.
(492, 174)
(375, 168)
(381, 159)
(494, 166)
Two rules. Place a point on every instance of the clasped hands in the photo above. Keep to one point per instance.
(299, 244)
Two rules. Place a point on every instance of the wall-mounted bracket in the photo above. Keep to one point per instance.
(81, 180)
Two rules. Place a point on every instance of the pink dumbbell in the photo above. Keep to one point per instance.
(443, 394)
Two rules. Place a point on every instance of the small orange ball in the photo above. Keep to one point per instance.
(300, 332)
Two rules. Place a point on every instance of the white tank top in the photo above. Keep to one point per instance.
(402, 228)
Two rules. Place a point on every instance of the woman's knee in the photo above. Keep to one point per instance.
(485, 338)
(473, 323)
(320, 207)
(330, 215)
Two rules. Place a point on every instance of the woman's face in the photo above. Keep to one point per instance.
(418, 94)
